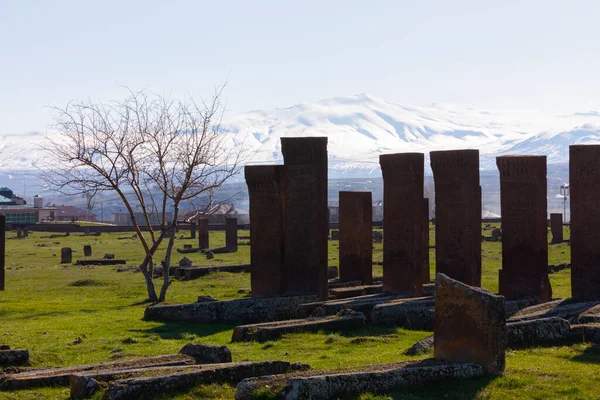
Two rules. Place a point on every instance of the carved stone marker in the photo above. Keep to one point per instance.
(523, 206)
(356, 244)
(426, 273)
(203, 233)
(231, 234)
(2, 250)
(306, 215)
(87, 250)
(470, 325)
(66, 255)
(556, 227)
(265, 190)
(25, 232)
(584, 181)
(457, 214)
(403, 246)
(193, 231)
(19, 233)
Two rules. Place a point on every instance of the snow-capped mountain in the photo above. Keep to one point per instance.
(362, 127)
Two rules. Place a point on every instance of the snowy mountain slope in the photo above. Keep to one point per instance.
(362, 127)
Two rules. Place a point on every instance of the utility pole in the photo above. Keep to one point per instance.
(564, 191)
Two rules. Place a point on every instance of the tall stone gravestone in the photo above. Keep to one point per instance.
(523, 206)
(231, 234)
(426, 273)
(87, 250)
(403, 244)
(66, 255)
(265, 190)
(306, 215)
(470, 325)
(203, 242)
(457, 214)
(556, 227)
(356, 243)
(193, 230)
(584, 181)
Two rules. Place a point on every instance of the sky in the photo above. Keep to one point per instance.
(510, 55)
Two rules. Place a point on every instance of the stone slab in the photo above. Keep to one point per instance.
(543, 331)
(102, 261)
(274, 330)
(374, 378)
(190, 273)
(218, 373)
(10, 358)
(413, 313)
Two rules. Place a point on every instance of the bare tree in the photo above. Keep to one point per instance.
(141, 146)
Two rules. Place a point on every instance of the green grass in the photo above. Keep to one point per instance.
(67, 315)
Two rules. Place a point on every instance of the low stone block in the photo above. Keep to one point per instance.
(537, 332)
(354, 291)
(207, 353)
(375, 378)
(362, 304)
(274, 330)
(568, 309)
(102, 261)
(218, 373)
(421, 347)
(10, 358)
(470, 325)
(332, 272)
(413, 313)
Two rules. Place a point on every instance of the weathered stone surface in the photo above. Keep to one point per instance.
(4, 347)
(354, 291)
(496, 235)
(375, 378)
(457, 214)
(362, 304)
(524, 227)
(306, 215)
(556, 227)
(203, 236)
(82, 387)
(231, 239)
(585, 333)
(274, 330)
(190, 273)
(470, 325)
(403, 222)
(356, 245)
(377, 236)
(60, 376)
(87, 250)
(101, 261)
(219, 373)
(66, 255)
(568, 309)
(421, 347)
(10, 358)
(207, 353)
(245, 311)
(584, 175)
(415, 313)
(185, 262)
(425, 232)
(542, 331)
(265, 189)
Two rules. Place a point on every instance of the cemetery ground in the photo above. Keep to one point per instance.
(67, 315)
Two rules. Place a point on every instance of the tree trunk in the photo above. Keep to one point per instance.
(167, 261)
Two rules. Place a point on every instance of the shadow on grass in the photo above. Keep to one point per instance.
(590, 355)
(181, 330)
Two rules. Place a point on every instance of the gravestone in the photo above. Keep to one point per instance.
(335, 234)
(523, 205)
(426, 273)
(356, 244)
(306, 215)
(187, 246)
(2, 251)
(203, 242)
(185, 262)
(496, 235)
(584, 186)
(556, 227)
(231, 236)
(403, 244)
(193, 231)
(66, 255)
(19, 233)
(457, 214)
(470, 325)
(25, 232)
(265, 191)
(87, 250)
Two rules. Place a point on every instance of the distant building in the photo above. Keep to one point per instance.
(17, 211)
(216, 215)
(124, 218)
(72, 214)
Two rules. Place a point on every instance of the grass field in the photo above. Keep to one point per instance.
(67, 315)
